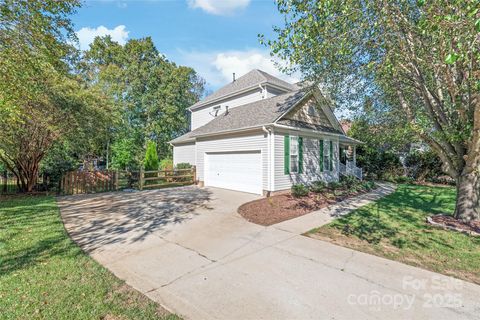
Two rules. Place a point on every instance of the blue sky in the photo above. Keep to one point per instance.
(215, 37)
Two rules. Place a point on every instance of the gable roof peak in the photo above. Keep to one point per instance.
(250, 80)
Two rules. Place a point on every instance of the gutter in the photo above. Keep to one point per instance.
(271, 125)
(216, 133)
(192, 108)
(340, 136)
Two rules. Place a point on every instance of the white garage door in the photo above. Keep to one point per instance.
(241, 171)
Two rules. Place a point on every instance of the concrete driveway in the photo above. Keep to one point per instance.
(189, 250)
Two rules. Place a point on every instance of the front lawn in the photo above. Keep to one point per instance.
(43, 274)
(394, 227)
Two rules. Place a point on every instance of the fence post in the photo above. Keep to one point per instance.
(140, 180)
(194, 174)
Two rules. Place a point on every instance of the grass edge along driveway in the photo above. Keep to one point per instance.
(44, 274)
(394, 227)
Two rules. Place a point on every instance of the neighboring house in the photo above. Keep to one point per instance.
(260, 134)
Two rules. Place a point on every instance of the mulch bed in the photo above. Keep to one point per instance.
(275, 209)
(449, 222)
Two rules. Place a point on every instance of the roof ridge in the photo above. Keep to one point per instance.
(245, 82)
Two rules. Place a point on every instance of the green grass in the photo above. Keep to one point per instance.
(44, 275)
(394, 227)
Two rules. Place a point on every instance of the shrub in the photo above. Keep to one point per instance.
(151, 157)
(183, 165)
(334, 185)
(403, 179)
(370, 185)
(299, 190)
(166, 164)
(349, 181)
(318, 186)
(423, 165)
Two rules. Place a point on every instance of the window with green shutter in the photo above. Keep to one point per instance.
(286, 151)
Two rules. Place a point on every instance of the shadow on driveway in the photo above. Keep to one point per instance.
(127, 217)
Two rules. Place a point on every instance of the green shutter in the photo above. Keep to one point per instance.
(286, 151)
(321, 155)
(300, 155)
(331, 156)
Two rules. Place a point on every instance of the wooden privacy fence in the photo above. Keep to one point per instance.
(79, 182)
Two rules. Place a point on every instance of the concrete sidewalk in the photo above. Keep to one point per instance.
(188, 250)
(325, 215)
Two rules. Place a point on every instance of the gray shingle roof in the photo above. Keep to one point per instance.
(253, 114)
(249, 80)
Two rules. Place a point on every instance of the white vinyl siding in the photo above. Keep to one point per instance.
(184, 153)
(272, 92)
(254, 141)
(311, 162)
(206, 113)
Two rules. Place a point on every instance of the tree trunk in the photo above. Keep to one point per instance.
(468, 196)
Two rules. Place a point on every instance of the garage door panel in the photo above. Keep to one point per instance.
(240, 171)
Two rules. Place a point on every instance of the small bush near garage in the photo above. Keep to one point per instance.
(166, 164)
(299, 190)
(183, 165)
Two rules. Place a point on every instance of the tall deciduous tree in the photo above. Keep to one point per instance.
(421, 56)
(151, 93)
(40, 101)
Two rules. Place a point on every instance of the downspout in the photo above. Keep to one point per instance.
(271, 156)
(261, 88)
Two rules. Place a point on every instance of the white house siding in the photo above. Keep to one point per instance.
(203, 115)
(272, 92)
(256, 140)
(311, 165)
(184, 153)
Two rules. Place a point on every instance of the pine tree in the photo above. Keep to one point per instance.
(151, 157)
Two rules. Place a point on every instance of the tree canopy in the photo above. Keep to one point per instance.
(151, 95)
(59, 105)
(420, 58)
(41, 101)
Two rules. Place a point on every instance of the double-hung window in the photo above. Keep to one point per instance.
(293, 161)
(294, 154)
(326, 156)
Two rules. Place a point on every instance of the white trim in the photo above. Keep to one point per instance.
(342, 138)
(272, 160)
(233, 94)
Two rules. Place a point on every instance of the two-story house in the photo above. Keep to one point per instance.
(260, 134)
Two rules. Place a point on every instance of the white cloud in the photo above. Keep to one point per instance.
(86, 35)
(217, 67)
(218, 7)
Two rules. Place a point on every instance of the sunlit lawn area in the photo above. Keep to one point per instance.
(43, 274)
(394, 227)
